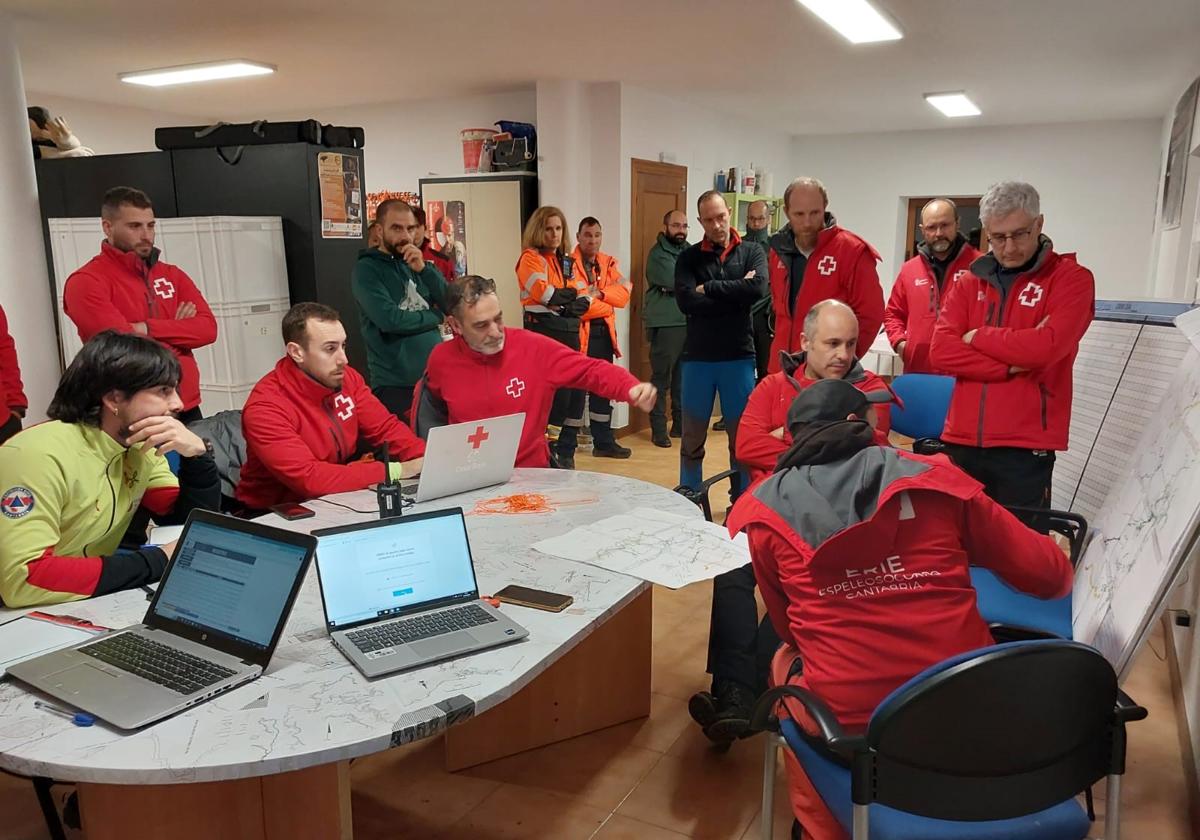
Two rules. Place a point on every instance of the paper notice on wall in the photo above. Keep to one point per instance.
(341, 196)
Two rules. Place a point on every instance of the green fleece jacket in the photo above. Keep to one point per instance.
(763, 238)
(400, 311)
(658, 307)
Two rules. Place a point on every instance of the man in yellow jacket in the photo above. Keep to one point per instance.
(608, 291)
(70, 487)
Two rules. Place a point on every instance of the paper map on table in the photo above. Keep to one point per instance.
(663, 548)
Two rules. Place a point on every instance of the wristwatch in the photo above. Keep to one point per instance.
(208, 448)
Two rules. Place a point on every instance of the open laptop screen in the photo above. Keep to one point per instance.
(393, 566)
(230, 582)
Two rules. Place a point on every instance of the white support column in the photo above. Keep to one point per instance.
(24, 284)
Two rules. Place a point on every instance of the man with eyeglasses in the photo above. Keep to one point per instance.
(912, 310)
(758, 223)
(666, 326)
(399, 295)
(1009, 332)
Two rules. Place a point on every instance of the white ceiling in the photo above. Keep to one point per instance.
(1023, 61)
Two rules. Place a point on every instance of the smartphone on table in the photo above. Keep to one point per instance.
(538, 599)
(292, 511)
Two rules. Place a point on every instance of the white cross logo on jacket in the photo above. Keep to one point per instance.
(827, 265)
(1030, 295)
(164, 288)
(344, 406)
(515, 388)
(958, 275)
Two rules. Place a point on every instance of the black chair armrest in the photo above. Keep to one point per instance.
(1127, 710)
(1073, 526)
(928, 446)
(1013, 633)
(829, 729)
(700, 496)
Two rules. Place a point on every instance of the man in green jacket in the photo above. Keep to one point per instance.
(400, 306)
(666, 327)
(758, 229)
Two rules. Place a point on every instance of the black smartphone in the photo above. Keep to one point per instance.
(538, 599)
(292, 511)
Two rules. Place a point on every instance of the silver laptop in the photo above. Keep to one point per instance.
(467, 456)
(213, 625)
(401, 592)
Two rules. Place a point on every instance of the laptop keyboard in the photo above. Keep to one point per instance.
(379, 636)
(159, 663)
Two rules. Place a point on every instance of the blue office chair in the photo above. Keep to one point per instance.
(926, 399)
(1014, 615)
(992, 744)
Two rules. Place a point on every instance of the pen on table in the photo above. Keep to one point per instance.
(77, 718)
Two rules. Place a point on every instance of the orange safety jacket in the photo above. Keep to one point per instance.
(609, 293)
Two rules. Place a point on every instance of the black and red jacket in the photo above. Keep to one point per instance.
(1036, 327)
(916, 301)
(301, 437)
(842, 267)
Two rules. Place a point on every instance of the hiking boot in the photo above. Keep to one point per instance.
(734, 705)
(613, 450)
(661, 439)
(719, 426)
(676, 429)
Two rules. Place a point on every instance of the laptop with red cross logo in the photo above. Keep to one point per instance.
(467, 456)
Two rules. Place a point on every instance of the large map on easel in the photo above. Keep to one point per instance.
(1146, 525)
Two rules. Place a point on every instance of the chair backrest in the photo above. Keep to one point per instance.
(926, 399)
(1073, 526)
(224, 431)
(995, 733)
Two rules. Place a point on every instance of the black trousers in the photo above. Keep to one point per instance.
(1011, 476)
(666, 349)
(11, 426)
(762, 341)
(599, 410)
(567, 409)
(740, 646)
(396, 399)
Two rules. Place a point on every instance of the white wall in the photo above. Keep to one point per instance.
(1098, 183)
(407, 141)
(112, 129)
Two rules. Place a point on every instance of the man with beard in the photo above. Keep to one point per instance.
(489, 370)
(72, 485)
(813, 259)
(127, 288)
(304, 421)
(666, 326)
(916, 299)
(399, 295)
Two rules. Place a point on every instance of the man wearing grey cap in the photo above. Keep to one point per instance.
(862, 555)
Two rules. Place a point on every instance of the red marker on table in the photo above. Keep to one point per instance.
(68, 621)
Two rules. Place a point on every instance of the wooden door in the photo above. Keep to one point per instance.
(657, 188)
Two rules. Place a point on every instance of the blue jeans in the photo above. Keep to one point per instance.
(702, 381)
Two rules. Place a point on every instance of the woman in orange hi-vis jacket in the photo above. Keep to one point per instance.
(553, 298)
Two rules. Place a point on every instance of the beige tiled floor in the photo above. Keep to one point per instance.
(654, 779)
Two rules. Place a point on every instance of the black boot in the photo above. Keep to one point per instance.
(725, 712)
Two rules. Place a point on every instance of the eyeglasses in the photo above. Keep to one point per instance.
(999, 240)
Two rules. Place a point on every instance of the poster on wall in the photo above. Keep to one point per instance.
(1177, 156)
(341, 196)
(374, 199)
(446, 226)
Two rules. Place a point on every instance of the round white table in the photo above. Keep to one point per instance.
(280, 744)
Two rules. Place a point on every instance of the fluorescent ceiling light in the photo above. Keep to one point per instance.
(188, 73)
(856, 20)
(953, 104)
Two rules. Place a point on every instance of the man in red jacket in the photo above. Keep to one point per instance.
(12, 390)
(813, 259)
(828, 348)
(127, 288)
(943, 256)
(1009, 332)
(490, 370)
(862, 555)
(304, 420)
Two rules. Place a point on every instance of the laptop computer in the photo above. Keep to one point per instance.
(401, 592)
(467, 456)
(213, 624)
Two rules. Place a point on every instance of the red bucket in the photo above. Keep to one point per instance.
(472, 145)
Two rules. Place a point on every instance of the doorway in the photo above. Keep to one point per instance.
(656, 189)
(968, 221)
